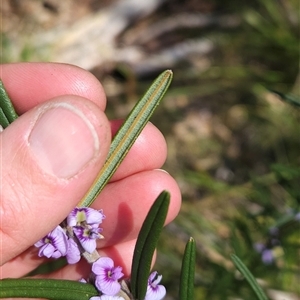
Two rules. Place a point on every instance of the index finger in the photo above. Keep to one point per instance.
(29, 84)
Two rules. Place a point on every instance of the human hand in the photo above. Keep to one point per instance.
(51, 155)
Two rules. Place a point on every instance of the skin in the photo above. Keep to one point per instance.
(32, 203)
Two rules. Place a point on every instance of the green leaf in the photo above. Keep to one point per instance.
(128, 133)
(6, 107)
(52, 289)
(249, 277)
(3, 119)
(187, 275)
(146, 244)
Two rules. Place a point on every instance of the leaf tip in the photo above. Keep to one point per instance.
(191, 240)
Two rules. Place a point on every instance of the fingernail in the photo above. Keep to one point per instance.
(63, 140)
(162, 170)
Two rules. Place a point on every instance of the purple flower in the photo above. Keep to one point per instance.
(106, 297)
(85, 215)
(266, 253)
(107, 276)
(87, 236)
(73, 254)
(267, 256)
(155, 291)
(54, 244)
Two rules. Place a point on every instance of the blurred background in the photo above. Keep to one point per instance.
(231, 118)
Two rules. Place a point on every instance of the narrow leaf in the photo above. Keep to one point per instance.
(128, 133)
(6, 105)
(146, 244)
(249, 277)
(52, 289)
(187, 275)
(3, 120)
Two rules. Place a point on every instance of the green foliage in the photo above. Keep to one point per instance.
(237, 134)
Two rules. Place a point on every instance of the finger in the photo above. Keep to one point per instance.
(39, 82)
(50, 157)
(148, 152)
(22, 264)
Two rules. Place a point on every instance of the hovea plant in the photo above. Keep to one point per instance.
(76, 236)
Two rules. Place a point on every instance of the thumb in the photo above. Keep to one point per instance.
(49, 158)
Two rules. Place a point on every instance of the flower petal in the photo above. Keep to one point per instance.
(59, 240)
(106, 297)
(88, 244)
(107, 286)
(155, 294)
(101, 264)
(46, 250)
(155, 291)
(94, 216)
(73, 253)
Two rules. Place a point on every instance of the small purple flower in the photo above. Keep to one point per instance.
(107, 276)
(85, 215)
(54, 244)
(267, 256)
(106, 297)
(155, 291)
(88, 236)
(73, 254)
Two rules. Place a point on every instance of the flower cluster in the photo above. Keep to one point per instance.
(78, 234)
